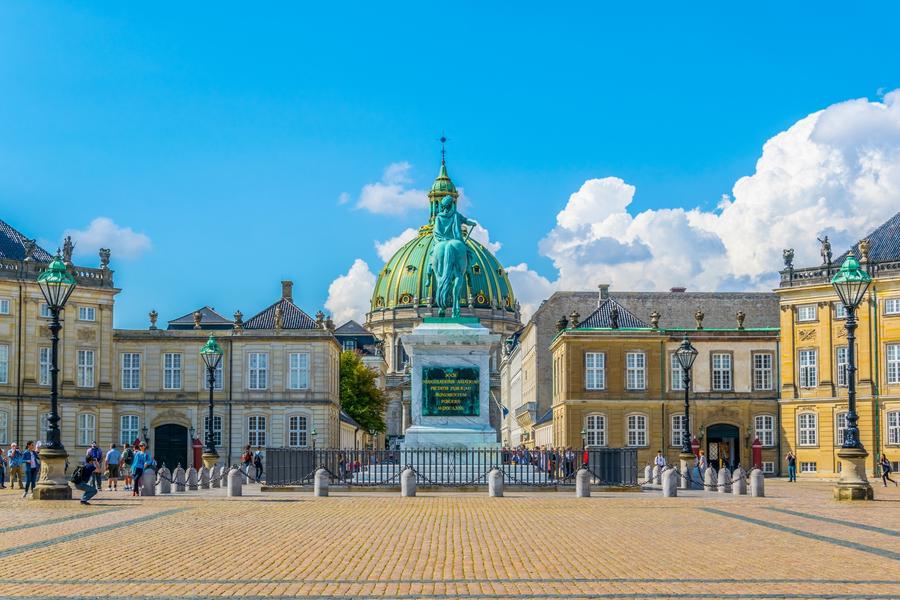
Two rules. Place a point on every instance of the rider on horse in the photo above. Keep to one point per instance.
(449, 258)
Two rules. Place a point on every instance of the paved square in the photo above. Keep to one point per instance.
(796, 543)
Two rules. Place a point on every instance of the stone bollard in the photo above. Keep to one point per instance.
(739, 482)
(204, 478)
(583, 483)
(709, 479)
(495, 483)
(235, 481)
(408, 483)
(148, 482)
(724, 483)
(192, 479)
(670, 483)
(246, 474)
(179, 478)
(757, 484)
(648, 474)
(215, 477)
(320, 487)
(164, 486)
(657, 475)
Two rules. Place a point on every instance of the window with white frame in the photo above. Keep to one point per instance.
(764, 426)
(893, 428)
(46, 313)
(257, 370)
(892, 306)
(808, 467)
(892, 355)
(216, 428)
(297, 429)
(762, 371)
(85, 368)
(256, 430)
(219, 376)
(635, 370)
(299, 370)
(840, 311)
(637, 430)
(45, 424)
(4, 306)
(807, 429)
(807, 312)
(679, 426)
(4, 427)
(596, 430)
(809, 369)
(4, 363)
(87, 426)
(44, 366)
(594, 370)
(768, 467)
(840, 365)
(721, 371)
(131, 371)
(172, 371)
(128, 429)
(840, 428)
(87, 313)
(677, 372)
(348, 345)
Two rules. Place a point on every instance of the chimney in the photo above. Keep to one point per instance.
(604, 293)
(678, 290)
(287, 290)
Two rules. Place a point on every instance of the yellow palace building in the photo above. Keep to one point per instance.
(814, 356)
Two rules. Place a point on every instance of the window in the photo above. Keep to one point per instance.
(807, 467)
(764, 426)
(677, 373)
(45, 311)
(840, 365)
(85, 371)
(762, 371)
(299, 371)
(172, 371)
(892, 306)
(721, 372)
(128, 429)
(4, 428)
(679, 424)
(809, 372)
(87, 313)
(4, 363)
(768, 467)
(86, 426)
(4, 306)
(807, 429)
(637, 430)
(840, 427)
(596, 430)
(807, 312)
(840, 311)
(297, 431)
(219, 376)
(893, 363)
(893, 428)
(635, 370)
(348, 345)
(594, 370)
(258, 375)
(256, 431)
(216, 429)
(43, 366)
(45, 424)
(131, 371)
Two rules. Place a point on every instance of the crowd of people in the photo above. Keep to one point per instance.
(557, 463)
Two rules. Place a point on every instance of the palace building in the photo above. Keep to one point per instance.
(278, 383)
(814, 355)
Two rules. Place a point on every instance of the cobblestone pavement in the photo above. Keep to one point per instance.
(796, 543)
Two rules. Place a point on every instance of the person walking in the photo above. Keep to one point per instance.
(2, 468)
(97, 454)
(792, 466)
(127, 458)
(14, 460)
(113, 458)
(702, 463)
(140, 462)
(258, 464)
(246, 460)
(886, 471)
(30, 463)
(82, 476)
(660, 460)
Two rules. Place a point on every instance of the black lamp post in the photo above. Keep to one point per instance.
(313, 435)
(57, 285)
(686, 354)
(851, 283)
(212, 357)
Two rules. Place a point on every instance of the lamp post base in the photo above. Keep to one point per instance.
(852, 483)
(210, 459)
(687, 464)
(53, 483)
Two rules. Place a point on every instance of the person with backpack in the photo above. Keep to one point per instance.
(140, 462)
(97, 454)
(81, 479)
(886, 471)
(14, 461)
(246, 460)
(127, 458)
(258, 464)
(31, 464)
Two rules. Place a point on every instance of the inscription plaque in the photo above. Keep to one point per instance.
(450, 392)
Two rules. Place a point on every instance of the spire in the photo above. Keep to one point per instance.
(443, 150)
(443, 185)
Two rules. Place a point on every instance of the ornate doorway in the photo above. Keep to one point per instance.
(723, 445)
(171, 445)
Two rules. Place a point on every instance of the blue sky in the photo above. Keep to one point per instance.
(226, 133)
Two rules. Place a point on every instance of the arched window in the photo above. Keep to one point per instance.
(636, 430)
(595, 427)
(807, 429)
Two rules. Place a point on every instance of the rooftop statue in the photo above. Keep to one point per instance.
(449, 259)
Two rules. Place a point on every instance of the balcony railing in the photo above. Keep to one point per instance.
(29, 270)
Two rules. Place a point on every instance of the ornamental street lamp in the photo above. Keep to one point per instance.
(851, 283)
(313, 435)
(686, 354)
(57, 285)
(211, 353)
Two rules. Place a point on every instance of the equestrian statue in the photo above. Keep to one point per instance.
(449, 258)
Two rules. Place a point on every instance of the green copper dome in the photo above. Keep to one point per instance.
(443, 184)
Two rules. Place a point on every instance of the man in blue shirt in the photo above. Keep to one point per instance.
(82, 479)
(95, 453)
(113, 457)
(15, 460)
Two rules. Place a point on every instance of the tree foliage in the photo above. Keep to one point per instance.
(360, 396)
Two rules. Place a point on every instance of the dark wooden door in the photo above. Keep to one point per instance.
(171, 446)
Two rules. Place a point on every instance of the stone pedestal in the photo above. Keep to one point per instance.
(235, 481)
(495, 483)
(52, 483)
(648, 474)
(710, 480)
(686, 464)
(164, 486)
(408, 483)
(192, 479)
(739, 482)
(669, 483)
(852, 483)
(657, 475)
(724, 483)
(757, 484)
(209, 459)
(583, 483)
(320, 483)
(180, 479)
(203, 477)
(215, 476)
(148, 482)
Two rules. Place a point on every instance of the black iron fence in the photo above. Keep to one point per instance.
(451, 468)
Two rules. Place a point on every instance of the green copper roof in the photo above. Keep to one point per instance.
(443, 184)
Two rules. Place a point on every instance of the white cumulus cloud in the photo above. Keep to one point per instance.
(349, 294)
(102, 232)
(393, 194)
(389, 247)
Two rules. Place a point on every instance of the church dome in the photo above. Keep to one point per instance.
(401, 283)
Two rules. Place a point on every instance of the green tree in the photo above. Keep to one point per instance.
(360, 396)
